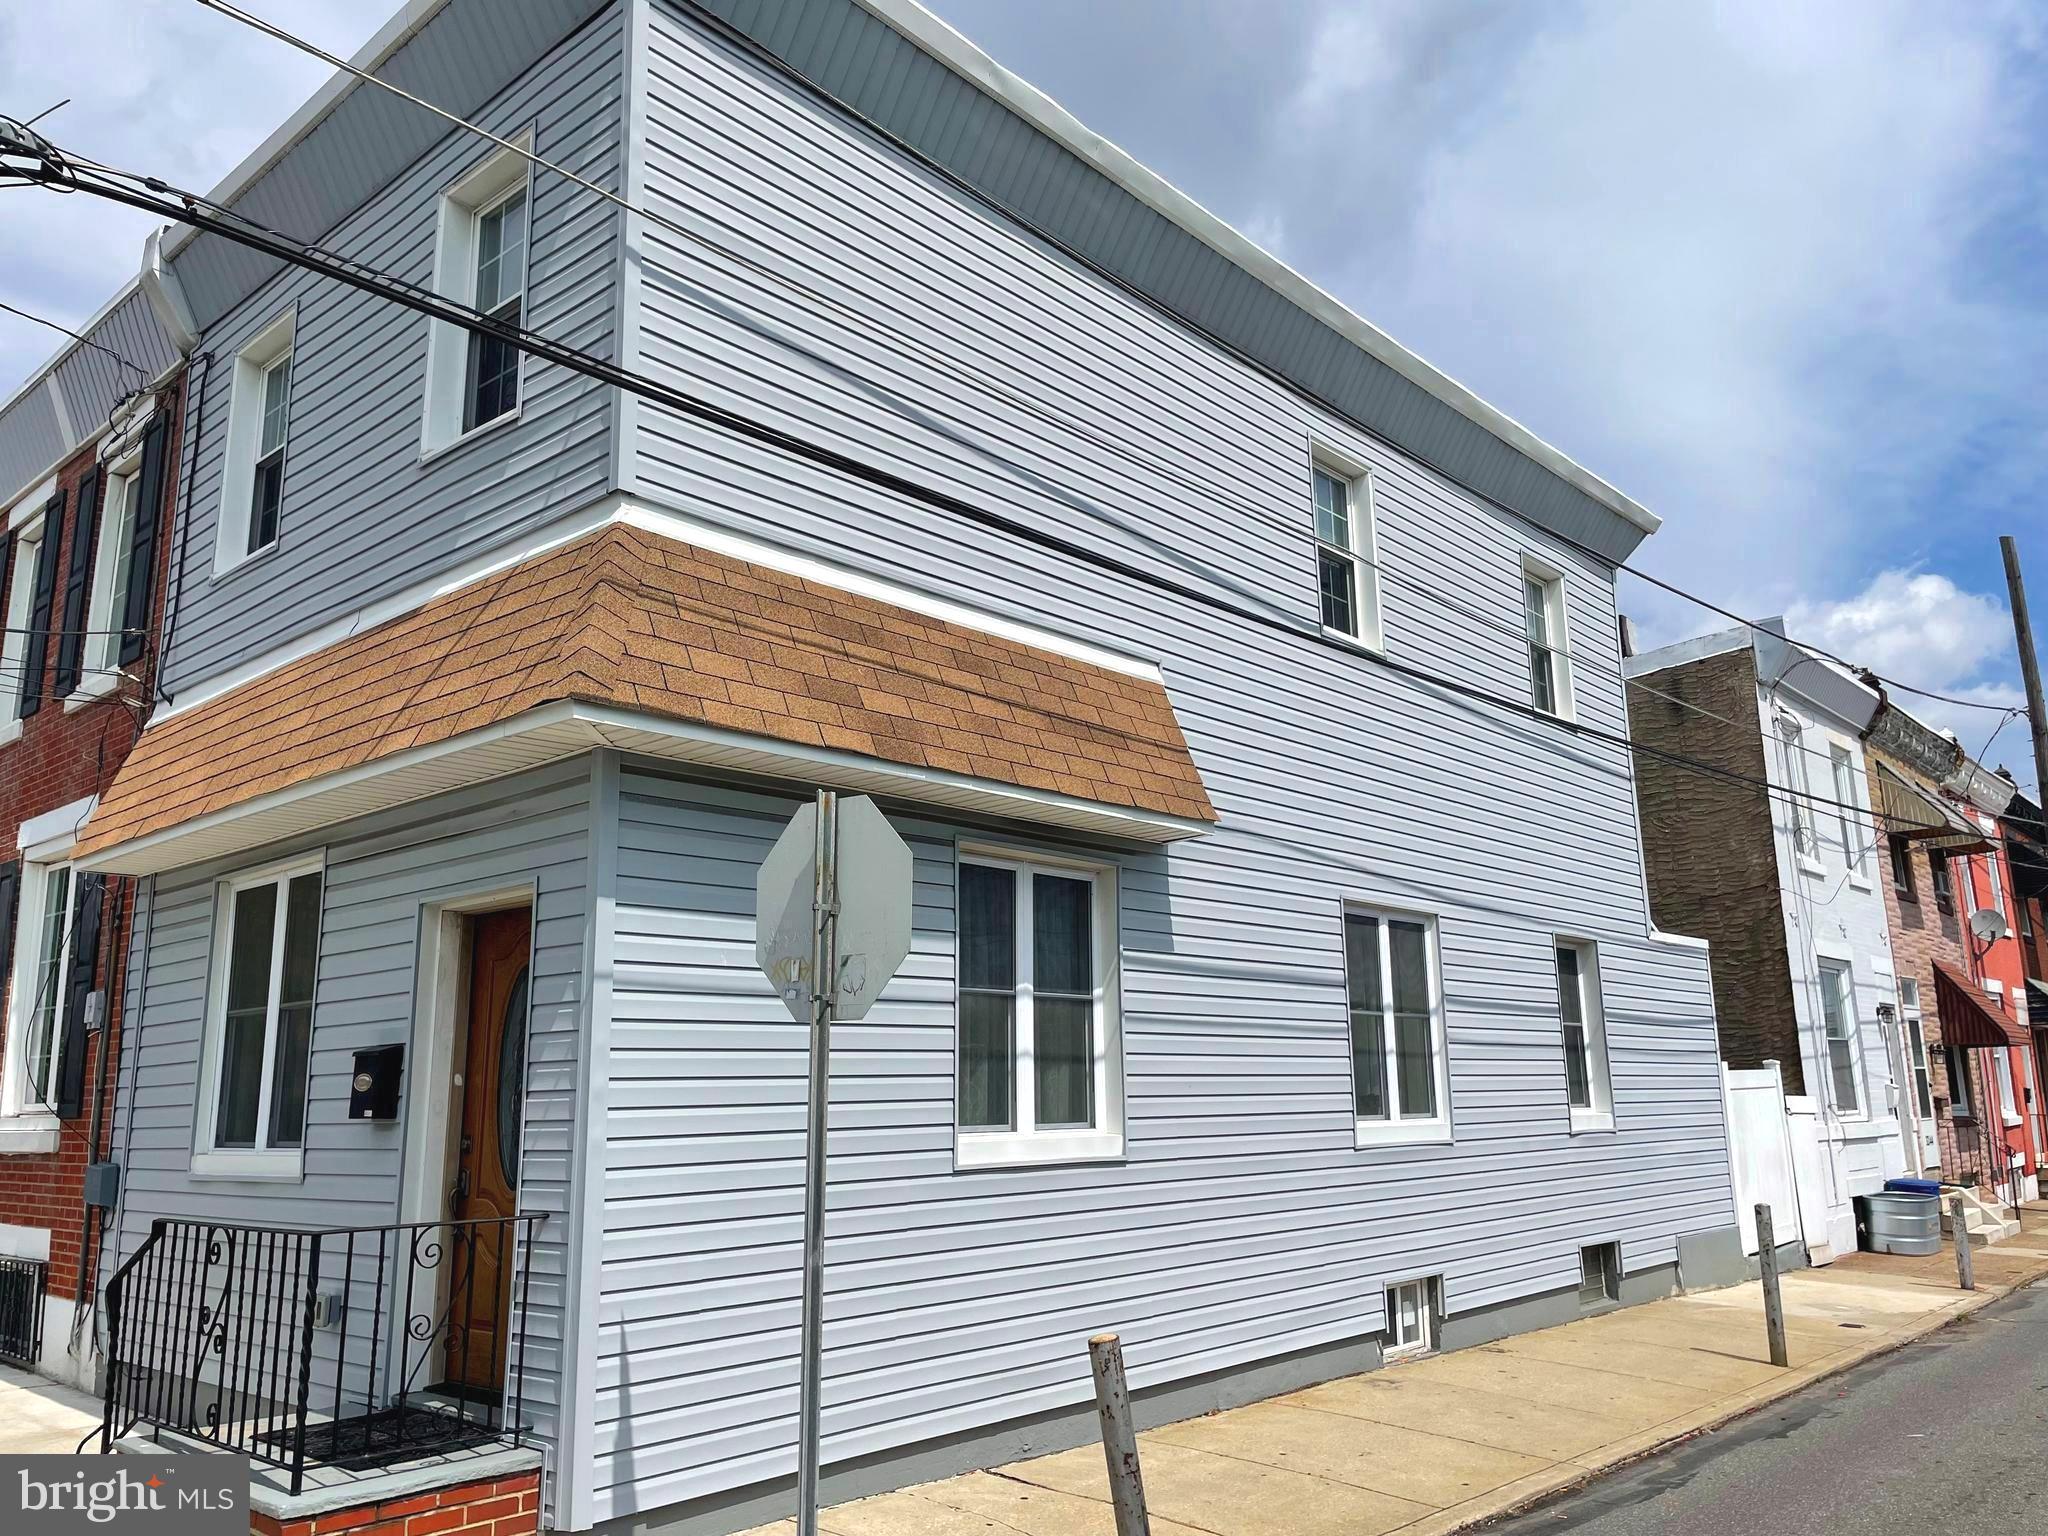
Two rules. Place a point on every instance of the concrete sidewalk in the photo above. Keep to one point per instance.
(41, 1418)
(1430, 1446)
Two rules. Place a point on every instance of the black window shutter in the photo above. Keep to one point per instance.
(77, 585)
(149, 502)
(10, 889)
(85, 954)
(42, 598)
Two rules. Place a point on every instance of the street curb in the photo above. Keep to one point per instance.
(1720, 1416)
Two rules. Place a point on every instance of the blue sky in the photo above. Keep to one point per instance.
(1780, 273)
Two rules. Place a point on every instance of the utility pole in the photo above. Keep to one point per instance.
(2030, 666)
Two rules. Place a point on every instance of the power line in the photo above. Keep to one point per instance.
(76, 336)
(952, 365)
(106, 181)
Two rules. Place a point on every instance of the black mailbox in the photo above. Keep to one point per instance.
(373, 1090)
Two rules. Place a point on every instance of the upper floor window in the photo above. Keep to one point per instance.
(259, 425)
(1550, 687)
(1587, 1087)
(1398, 1079)
(1995, 881)
(1902, 868)
(479, 260)
(1347, 579)
(1838, 1027)
(107, 610)
(1941, 876)
(1792, 753)
(1038, 1078)
(260, 1023)
(1848, 820)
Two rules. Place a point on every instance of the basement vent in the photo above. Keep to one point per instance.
(21, 1310)
(1599, 1274)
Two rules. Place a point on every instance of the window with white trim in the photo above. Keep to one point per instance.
(112, 570)
(1550, 668)
(1347, 579)
(1956, 1068)
(1411, 1319)
(480, 260)
(1995, 881)
(1587, 1087)
(1038, 1078)
(23, 554)
(260, 1022)
(1855, 843)
(1792, 754)
(1399, 1084)
(1838, 1026)
(1916, 1045)
(42, 965)
(1941, 875)
(259, 428)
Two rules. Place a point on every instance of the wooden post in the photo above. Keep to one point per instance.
(2030, 667)
(1961, 1231)
(1774, 1304)
(1119, 1435)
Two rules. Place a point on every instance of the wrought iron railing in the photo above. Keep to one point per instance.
(346, 1346)
(22, 1282)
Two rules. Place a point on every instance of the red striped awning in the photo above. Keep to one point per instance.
(1969, 1019)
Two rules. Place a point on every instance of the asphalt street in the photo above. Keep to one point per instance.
(1948, 1435)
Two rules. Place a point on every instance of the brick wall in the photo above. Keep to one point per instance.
(1709, 851)
(505, 1506)
(63, 756)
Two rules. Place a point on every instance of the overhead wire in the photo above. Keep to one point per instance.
(873, 325)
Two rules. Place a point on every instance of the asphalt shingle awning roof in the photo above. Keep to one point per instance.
(629, 638)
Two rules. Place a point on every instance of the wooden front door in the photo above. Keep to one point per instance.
(487, 1157)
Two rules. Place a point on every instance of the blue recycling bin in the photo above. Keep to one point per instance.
(1912, 1186)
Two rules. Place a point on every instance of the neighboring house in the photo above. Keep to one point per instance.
(85, 503)
(1935, 804)
(2026, 843)
(1785, 882)
(1228, 1025)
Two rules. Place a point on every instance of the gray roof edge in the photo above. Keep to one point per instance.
(949, 48)
(70, 345)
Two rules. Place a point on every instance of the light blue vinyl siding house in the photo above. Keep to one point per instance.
(890, 248)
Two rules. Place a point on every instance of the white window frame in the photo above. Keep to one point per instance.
(462, 206)
(210, 1160)
(1962, 1098)
(2008, 1105)
(1917, 1066)
(1394, 1129)
(20, 1111)
(1025, 1143)
(1426, 1291)
(1361, 503)
(1792, 751)
(1997, 885)
(1853, 1039)
(1599, 1115)
(1557, 629)
(276, 343)
(29, 525)
(1844, 775)
(120, 483)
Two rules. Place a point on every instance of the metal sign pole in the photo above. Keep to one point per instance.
(824, 969)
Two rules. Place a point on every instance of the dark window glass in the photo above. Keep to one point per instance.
(1571, 1001)
(295, 1012)
(512, 1080)
(493, 384)
(1414, 1036)
(251, 941)
(1339, 578)
(1368, 1009)
(1063, 999)
(988, 1002)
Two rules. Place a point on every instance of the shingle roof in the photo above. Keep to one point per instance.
(631, 619)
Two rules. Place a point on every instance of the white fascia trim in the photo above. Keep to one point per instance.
(1683, 652)
(28, 506)
(672, 525)
(556, 731)
(389, 38)
(52, 834)
(932, 35)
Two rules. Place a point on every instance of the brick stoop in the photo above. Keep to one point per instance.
(501, 1506)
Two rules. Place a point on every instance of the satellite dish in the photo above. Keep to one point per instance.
(1989, 925)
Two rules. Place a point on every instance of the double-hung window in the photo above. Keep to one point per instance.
(1916, 1046)
(1956, 1067)
(1587, 1087)
(480, 261)
(260, 1023)
(1848, 823)
(259, 427)
(1792, 753)
(1902, 868)
(42, 963)
(1038, 1073)
(1550, 678)
(1941, 875)
(1995, 881)
(113, 564)
(1399, 1085)
(1347, 579)
(1838, 1027)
